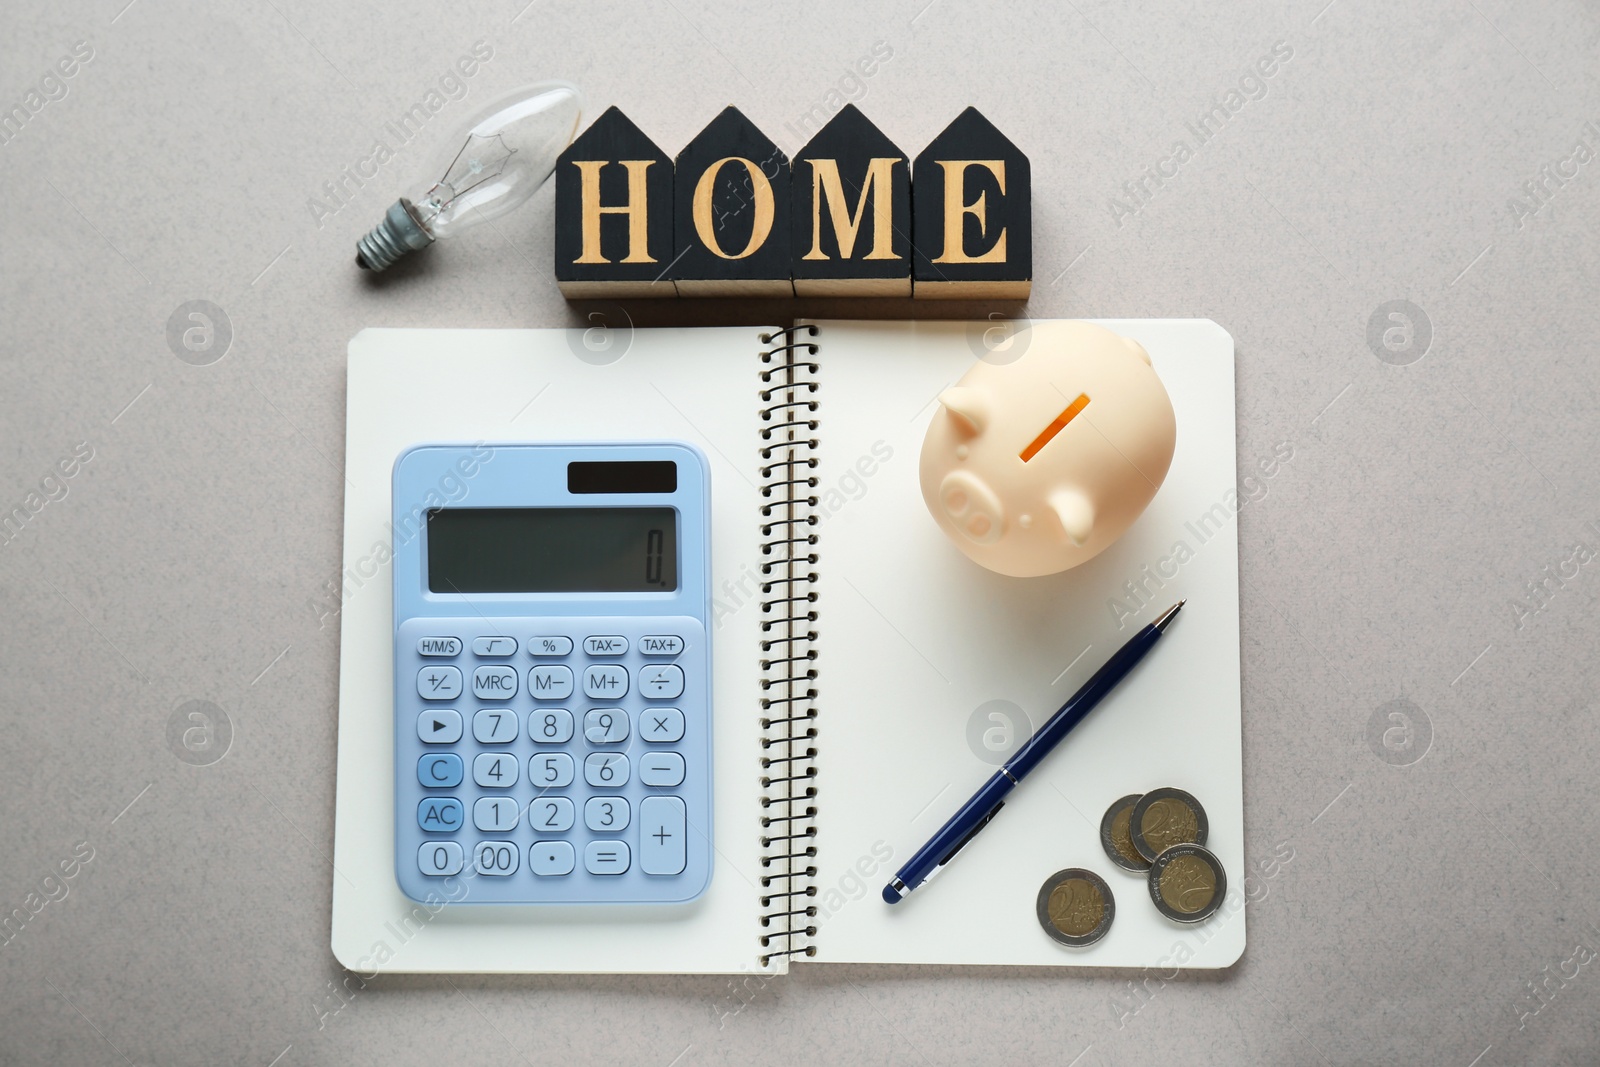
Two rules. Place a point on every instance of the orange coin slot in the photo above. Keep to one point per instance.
(1055, 427)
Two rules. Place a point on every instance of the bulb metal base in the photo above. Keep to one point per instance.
(399, 234)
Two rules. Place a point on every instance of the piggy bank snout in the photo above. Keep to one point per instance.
(972, 507)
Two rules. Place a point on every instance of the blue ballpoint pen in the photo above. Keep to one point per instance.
(988, 800)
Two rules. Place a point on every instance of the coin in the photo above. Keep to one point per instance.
(1076, 907)
(1166, 817)
(1187, 883)
(1116, 836)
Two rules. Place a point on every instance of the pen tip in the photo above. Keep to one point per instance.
(1165, 618)
(890, 896)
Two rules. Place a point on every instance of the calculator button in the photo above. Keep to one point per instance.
(495, 770)
(661, 768)
(439, 858)
(498, 858)
(605, 769)
(549, 646)
(549, 858)
(550, 770)
(439, 770)
(661, 724)
(605, 726)
(663, 832)
(661, 681)
(439, 646)
(605, 681)
(605, 646)
(661, 645)
(442, 682)
(550, 726)
(549, 683)
(439, 727)
(550, 815)
(439, 815)
(494, 683)
(494, 646)
(494, 726)
(495, 814)
(606, 815)
(606, 857)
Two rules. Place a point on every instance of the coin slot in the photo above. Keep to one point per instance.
(1049, 432)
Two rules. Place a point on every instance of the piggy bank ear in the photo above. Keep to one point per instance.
(1075, 513)
(968, 407)
(1137, 349)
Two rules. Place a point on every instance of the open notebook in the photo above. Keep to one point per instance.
(862, 663)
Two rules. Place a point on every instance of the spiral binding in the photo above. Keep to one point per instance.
(788, 642)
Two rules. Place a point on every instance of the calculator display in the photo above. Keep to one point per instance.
(552, 550)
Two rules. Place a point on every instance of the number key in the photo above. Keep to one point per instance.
(550, 815)
(550, 770)
(605, 726)
(496, 814)
(438, 858)
(495, 726)
(498, 858)
(550, 727)
(495, 770)
(606, 770)
(606, 815)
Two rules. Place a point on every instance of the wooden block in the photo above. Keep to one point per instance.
(851, 226)
(972, 223)
(731, 223)
(613, 213)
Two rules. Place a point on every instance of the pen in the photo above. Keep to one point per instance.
(990, 798)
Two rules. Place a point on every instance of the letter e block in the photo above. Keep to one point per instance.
(972, 220)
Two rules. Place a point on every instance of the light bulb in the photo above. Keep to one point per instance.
(494, 164)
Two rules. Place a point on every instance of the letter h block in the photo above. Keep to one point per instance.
(613, 232)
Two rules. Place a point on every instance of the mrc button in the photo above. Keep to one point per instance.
(497, 682)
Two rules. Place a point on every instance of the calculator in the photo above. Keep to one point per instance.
(552, 673)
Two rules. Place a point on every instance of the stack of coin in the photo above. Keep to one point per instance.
(1162, 835)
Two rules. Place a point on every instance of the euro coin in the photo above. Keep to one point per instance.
(1166, 817)
(1076, 907)
(1116, 835)
(1187, 883)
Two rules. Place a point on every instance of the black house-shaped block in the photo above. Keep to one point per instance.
(613, 226)
(731, 218)
(973, 224)
(851, 225)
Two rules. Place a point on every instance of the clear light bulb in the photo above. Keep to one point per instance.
(494, 164)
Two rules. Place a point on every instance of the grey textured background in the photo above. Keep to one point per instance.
(1431, 912)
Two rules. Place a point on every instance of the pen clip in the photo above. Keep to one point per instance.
(979, 825)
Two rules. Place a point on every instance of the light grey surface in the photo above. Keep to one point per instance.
(188, 559)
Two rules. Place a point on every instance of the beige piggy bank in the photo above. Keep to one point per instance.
(1038, 465)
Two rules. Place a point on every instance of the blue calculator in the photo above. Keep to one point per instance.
(552, 673)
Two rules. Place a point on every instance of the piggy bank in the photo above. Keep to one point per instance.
(1035, 466)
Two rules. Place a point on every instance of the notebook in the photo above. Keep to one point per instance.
(862, 664)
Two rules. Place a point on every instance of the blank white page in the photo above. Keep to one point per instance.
(915, 640)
